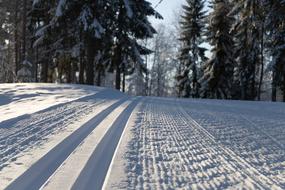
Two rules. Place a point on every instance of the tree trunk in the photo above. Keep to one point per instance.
(98, 81)
(16, 39)
(262, 63)
(147, 73)
(283, 91)
(91, 52)
(44, 72)
(117, 62)
(81, 71)
(124, 77)
(81, 63)
(194, 82)
(118, 77)
(24, 17)
(274, 87)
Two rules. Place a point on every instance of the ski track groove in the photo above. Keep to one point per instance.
(83, 152)
(247, 140)
(38, 120)
(241, 164)
(170, 150)
(94, 172)
(34, 129)
(174, 145)
(264, 133)
(21, 140)
(32, 179)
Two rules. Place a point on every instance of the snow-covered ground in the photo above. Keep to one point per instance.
(80, 137)
(19, 99)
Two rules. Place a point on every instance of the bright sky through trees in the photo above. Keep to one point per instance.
(166, 8)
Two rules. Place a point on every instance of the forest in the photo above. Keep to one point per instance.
(216, 49)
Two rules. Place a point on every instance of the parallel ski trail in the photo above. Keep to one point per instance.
(170, 150)
(254, 143)
(25, 138)
(65, 176)
(38, 174)
(30, 132)
(239, 163)
(94, 173)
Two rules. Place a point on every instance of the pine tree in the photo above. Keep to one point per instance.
(249, 32)
(192, 54)
(73, 33)
(276, 26)
(217, 80)
(41, 16)
(9, 28)
(131, 25)
(101, 33)
(89, 16)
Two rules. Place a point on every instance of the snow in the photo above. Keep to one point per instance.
(202, 144)
(73, 166)
(81, 136)
(20, 99)
(23, 160)
(60, 7)
(128, 8)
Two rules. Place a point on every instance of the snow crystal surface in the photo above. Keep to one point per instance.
(165, 143)
(202, 144)
(20, 99)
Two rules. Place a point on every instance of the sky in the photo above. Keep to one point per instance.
(167, 9)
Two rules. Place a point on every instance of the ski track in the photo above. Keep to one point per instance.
(35, 130)
(35, 133)
(95, 171)
(259, 140)
(174, 144)
(170, 150)
(70, 169)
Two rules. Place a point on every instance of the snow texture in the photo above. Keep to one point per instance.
(202, 144)
(77, 132)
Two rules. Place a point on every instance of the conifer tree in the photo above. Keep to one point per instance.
(41, 17)
(89, 16)
(218, 71)
(191, 54)
(248, 31)
(130, 25)
(276, 26)
(105, 30)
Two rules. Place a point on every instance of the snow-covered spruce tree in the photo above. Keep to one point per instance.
(73, 32)
(3, 37)
(12, 23)
(130, 25)
(276, 26)
(218, 71)
(2, 63)
(83, 19)
(26, 53)
(248, 31)
(192, 53)
(43, 42)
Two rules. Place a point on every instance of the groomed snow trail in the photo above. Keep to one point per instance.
(39, 173)
(188, 144)
(107, 140)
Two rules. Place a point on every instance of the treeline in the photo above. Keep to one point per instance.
(224, 49)
(74, 41)
(247, 41)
